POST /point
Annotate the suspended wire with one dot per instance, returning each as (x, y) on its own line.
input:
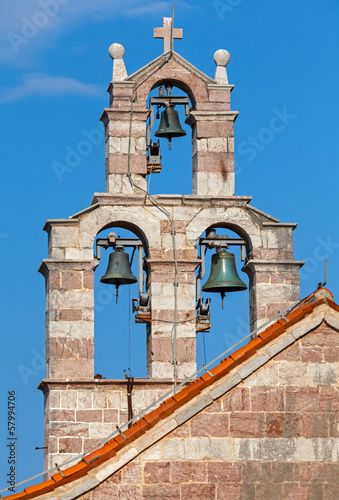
(203, 340)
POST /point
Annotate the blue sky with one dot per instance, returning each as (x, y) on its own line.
(55, 70)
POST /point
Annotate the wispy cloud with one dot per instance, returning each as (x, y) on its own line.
(39, 84)
(30, 26)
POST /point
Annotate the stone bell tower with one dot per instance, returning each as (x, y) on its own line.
(80, 410)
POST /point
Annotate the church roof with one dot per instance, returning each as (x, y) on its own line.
(307, 316)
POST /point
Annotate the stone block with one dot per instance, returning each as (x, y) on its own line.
(201, 491)
(69, 399)
(98, 430)
(217, 144)
(309, 450)
(278, 450)
(210, 425)
(209, 449)
(267, 398)
(185, 472)
(267, 375)
(152, 453)
(132, 473)
(315, 425)
(222, 472)
(73, 253)
(237, 400)
(84, 400)
(63, 236)
(292, 373)
(118, 164)
(114, 145)
(302, 399)
(157, 491)
(244, 424)
(71, 369)
(70, 445)
(173, 449)
(157, 472)
(283, 425)
(322, 374)
(247, 449)
(230, 144)
(207, 129)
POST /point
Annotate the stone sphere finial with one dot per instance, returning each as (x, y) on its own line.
(116, 51)
(222, 57)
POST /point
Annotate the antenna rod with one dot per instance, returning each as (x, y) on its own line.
(325, 277)
(172, 27)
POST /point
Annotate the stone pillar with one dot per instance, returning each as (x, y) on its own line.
(213, 150)
(274, 285)
(69, 319)
(117, 129)
(160, 335)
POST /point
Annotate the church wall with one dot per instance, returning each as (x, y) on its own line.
(273, 436)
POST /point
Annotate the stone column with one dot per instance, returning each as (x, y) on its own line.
(117, 129)
(274, 285)
(213, 151)
(69, 319)
(161, 334)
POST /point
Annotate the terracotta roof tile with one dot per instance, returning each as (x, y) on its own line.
(110, 448)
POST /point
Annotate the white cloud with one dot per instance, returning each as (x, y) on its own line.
(39, 84)
(30, 25)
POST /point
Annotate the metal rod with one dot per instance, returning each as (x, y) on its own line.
(140, 270)
(172, 27)
(325, 277)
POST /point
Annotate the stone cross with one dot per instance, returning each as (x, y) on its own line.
(165, 33)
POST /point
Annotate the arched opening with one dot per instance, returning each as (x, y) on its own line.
(120, 343)
(175, 176)
(230, 324)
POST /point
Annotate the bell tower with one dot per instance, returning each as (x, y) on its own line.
(170, 234)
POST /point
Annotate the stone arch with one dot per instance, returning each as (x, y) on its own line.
(234, 218)
(174, 71)
(180, 85)
(106, 216)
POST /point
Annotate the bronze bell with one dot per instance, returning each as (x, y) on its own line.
(118, 270)
(224, 276)
(170, 125)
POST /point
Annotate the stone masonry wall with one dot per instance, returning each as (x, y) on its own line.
(275, 436)
(80, 415)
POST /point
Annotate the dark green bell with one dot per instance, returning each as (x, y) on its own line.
(118, 270)
(170, 125)
(224, 277)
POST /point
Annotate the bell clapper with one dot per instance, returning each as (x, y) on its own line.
(222, 295)
(116, 293)
(170, 143)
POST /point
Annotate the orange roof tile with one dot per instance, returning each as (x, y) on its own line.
(110, 448)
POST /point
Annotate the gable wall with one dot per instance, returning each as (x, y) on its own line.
(273, 436)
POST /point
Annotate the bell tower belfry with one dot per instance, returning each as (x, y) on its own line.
(79, 409)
